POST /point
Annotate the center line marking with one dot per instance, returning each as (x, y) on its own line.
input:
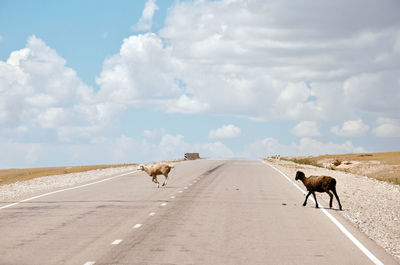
(180, 191)
(152, 214)
(89, 263)
(137, 225)
(163, 204)
(172, 197)
(116, 242)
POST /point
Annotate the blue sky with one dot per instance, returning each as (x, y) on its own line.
(97, 82)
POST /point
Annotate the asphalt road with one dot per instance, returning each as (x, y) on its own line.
(212, 212)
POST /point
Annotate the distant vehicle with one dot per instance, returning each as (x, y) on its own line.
(192, 156)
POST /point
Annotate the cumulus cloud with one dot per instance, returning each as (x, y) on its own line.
(40, 92)
(306, 128)
(351, 128)
(146, 21)
(274, 60)
(387, 128)
(306, 146)
(226, 131)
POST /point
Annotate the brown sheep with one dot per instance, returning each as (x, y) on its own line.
(319, 184)
(157, 169)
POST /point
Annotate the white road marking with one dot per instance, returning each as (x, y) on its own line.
(172, 197)
(58, 191)
(137, 225)
(116, 242)
(163, 204)
(190, 184)
(185, 188)
(89, 263)
(180, 191)
(368, 253)
(152, 214)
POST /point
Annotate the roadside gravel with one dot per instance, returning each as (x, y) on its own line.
(371, 205)
(24, 189)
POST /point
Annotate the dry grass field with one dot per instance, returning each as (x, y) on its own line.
(8, 176)
(381, 166)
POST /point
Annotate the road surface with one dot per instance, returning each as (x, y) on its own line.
(212, 212)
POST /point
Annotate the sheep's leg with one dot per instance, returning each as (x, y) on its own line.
(165, 181)
(331, 198)
(337, 198)
(305, 201)
(315, 198)
(155, 180)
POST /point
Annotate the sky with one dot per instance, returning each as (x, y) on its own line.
(104, 82)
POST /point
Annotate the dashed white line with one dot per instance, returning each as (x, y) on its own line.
(185, 188)
(180, 191)
(152, 214)
(137, 225)
(172, 197)
(89, 263)
(116, 242)
(163, 204)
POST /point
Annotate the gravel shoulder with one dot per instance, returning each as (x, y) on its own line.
(371, 205)
(24, 189)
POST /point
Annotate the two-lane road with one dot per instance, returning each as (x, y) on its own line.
(212, 212)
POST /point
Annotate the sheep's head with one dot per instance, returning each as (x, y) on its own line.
(299, 175)
(140, 167)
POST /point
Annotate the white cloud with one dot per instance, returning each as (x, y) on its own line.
(351, 128)
(387, 128)
(274, 61)
(146, 21)
(214, 150)
(306, 128)
(309, 146)
(306, 146)
(20, 153)
(40, 92)
(375, 92)
(226, 131)
(154, 133)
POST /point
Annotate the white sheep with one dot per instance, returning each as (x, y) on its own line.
(157, 169)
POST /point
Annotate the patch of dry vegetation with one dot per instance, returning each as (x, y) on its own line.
(8, 176)
(381, 166)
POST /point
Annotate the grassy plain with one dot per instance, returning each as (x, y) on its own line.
(382, 166)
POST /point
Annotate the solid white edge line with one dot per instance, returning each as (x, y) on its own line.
(368, 253)
(67, 189)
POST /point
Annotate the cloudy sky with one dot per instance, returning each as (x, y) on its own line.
(90, 82)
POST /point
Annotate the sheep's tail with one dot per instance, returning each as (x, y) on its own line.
(170, 166)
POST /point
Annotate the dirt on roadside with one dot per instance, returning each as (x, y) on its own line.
(380, 166)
